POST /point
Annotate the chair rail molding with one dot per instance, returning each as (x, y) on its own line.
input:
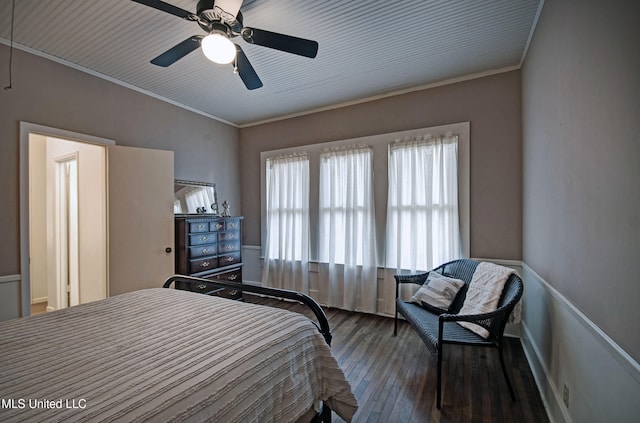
(9, 278)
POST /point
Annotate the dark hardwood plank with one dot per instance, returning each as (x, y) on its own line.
(394, 377)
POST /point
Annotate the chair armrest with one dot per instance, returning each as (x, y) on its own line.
(486, 320)
(470, 317)
(417, 278)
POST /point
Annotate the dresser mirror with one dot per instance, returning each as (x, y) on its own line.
(191, 197)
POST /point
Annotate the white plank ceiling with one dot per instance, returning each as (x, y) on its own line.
(367, 48)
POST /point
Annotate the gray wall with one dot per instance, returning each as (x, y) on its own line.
(47, 93)
(492, 106)
(581, 165)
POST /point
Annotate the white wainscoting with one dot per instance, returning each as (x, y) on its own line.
(9, 297)
(252, 267)
(252, 274)
(564, 347)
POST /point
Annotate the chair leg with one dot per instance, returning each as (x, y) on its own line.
(395, 325)
(439, 382)
(504, 372)
(326, 414)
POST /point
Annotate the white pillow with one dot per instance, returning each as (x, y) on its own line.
(484, 293)
(437, 293)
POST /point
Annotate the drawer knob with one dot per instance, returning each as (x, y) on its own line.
(233, 277)
(219, 226)
(204, 238)
(205, 250)
(200, 226)
(234, 225)
(229, 259)
(201, 286)
(205, 264)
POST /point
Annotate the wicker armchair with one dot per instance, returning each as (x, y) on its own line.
(437, 330)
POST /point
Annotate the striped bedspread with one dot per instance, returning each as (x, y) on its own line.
(167, 355)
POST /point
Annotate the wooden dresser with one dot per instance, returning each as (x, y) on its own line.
(209, 247)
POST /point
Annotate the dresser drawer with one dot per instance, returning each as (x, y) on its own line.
(228, 247)
(202, 265)
(229, 236)
(200, 287)
(201, 239)
(233, 294)
(232, 224)
(203, 250)
(233, 276)
(228, 259)
(196, 227)
(216, 225)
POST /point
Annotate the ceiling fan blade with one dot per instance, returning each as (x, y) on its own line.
(246, 71)
(177, 52)
(166, 7)
(288, 43)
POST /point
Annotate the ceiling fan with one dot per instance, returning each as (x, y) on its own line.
(222, 20)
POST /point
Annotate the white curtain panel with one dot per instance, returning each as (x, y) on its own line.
(347, 242)
(422, 209)
(286, 263)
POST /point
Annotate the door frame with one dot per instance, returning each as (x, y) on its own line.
(26, 129)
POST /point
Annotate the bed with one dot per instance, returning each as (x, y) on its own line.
(171, 355)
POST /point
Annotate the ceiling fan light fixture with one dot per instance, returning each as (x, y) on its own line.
(218, 48)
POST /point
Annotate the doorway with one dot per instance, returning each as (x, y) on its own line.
(64, 261)
(129, 204)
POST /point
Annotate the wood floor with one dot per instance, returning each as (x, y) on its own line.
(38, 308)
(394, 377)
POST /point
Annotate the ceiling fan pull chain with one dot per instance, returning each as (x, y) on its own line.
(13, 13)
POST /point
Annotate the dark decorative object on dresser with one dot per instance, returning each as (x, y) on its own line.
(209, 247)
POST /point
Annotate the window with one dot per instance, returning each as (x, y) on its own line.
(335, 219)
(287, 217)
(422, 203)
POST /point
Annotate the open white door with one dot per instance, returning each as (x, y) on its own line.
(141, 221)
